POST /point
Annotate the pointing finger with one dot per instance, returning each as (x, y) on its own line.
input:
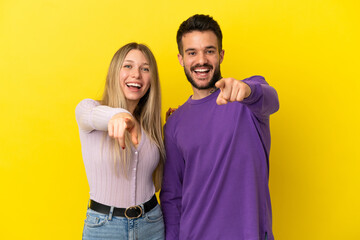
(220, 100)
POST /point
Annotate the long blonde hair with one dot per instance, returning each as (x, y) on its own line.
(147, 112)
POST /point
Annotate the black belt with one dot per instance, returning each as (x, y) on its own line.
(130, 212)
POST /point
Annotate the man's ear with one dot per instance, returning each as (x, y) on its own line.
(222, 55)
(180, 58)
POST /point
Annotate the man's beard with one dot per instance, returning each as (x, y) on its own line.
(216, 77)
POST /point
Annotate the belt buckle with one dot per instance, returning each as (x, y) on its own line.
(133, 207)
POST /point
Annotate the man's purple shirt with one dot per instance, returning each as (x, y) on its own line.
(217, 168)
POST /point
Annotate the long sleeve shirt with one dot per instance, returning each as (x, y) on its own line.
(217, 169)
(108, 183)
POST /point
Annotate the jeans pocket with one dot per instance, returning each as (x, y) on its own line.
(95, 220)
(154, 215)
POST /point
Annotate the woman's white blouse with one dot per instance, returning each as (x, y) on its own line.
(107, 183)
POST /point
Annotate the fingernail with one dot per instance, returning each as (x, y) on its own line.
(123, 148)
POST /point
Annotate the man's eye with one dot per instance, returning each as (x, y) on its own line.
(210, 51)
(192, 53)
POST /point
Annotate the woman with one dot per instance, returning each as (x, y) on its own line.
(123, 151)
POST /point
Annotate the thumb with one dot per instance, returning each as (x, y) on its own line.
(220, 84)
(134, 135)
(132, 128)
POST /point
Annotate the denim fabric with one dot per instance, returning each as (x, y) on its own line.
(101, 226)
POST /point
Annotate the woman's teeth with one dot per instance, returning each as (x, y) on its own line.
(133, 85)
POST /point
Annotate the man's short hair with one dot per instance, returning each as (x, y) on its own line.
(200, 23)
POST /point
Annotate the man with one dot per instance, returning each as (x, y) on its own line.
(217, 144)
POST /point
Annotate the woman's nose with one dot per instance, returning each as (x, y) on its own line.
(135, 73)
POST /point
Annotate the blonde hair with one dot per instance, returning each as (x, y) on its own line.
(147, 112)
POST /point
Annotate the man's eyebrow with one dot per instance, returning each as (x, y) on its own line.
(190, 49)
(207, 47)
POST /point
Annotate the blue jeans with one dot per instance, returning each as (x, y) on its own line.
(98, 226)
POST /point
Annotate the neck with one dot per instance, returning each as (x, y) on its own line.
(131, 105)
(202, 93)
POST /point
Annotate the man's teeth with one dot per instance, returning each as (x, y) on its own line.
(202, 70)
(133, 85)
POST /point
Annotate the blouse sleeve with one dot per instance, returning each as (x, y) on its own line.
(90, 115)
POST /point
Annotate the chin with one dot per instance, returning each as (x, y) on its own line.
(132, 97)
(203, 83)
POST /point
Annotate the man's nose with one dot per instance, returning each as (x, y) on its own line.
(202, 59)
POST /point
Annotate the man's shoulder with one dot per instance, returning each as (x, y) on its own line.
(176, 116)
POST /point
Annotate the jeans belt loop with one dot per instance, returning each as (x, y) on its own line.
(111, 213)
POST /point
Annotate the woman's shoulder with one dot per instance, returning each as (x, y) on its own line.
(89, 101)
(86, 104)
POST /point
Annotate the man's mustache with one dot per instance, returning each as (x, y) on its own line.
(204, 65)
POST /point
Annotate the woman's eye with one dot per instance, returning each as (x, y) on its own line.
(127, 66)
(146, 69)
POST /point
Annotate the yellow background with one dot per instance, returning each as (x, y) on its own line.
(55, 53)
